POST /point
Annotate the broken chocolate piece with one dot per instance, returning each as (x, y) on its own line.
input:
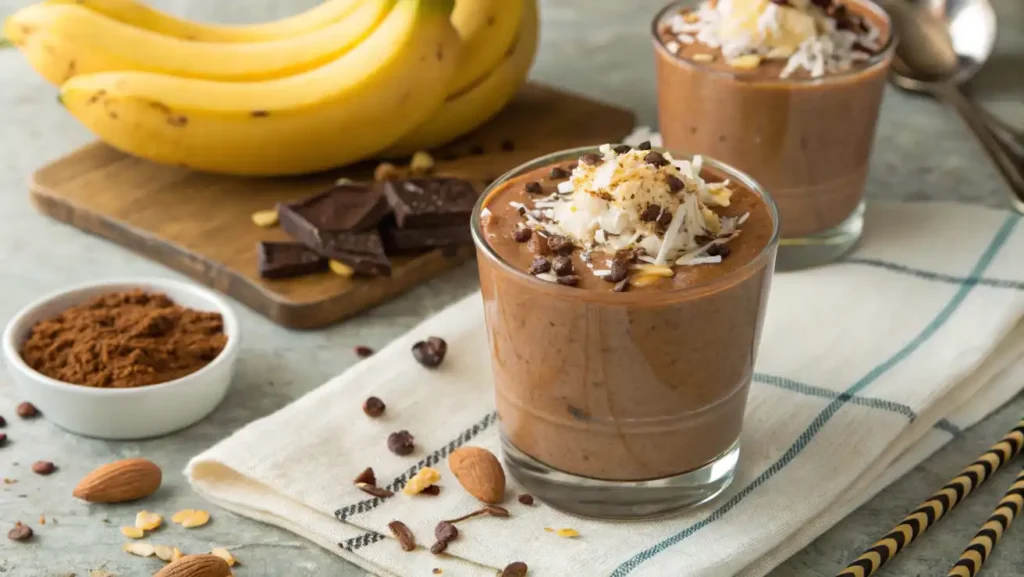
(522, 234)
(288, 259)
(430, 353)
(350, 206)
(366, 476)
(404, 535)
(401, 443)
(622, 149)
(363, 251)
(374, 490)
(540, 265)
(562, 265)
(401, 240)
(431, 202)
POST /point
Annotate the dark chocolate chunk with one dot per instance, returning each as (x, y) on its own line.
(366, 476)
(534, 187)
(665, 219)
(645, 145)
(526, 499)
(622, 149)
(540, 265)
(373, 407)
(621, 286)
(432, 490)
(401, 443)
(522, 234)
(431, 202)
(517, 569)
(430, 353)
(445, 531)
(402, 240)
(656, 159)
(403, 534)
(363, 251)
(675, 184)
(363, 351)
(569, 280)
(374, 490)
(288, 259)
(356, 206)
(620, 270)
(559, 172)
(538, 245)
(562, 265)
(719, 250)
(591, 159)
(560, 244)
(650, 213)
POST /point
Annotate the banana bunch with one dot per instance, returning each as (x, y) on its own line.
(342, 82)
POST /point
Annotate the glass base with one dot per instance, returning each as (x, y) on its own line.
(621, 499)
(823, 247)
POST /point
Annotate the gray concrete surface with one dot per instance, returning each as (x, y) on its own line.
(597, 47)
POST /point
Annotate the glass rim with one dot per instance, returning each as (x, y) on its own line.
(876, 60)
(732, 173)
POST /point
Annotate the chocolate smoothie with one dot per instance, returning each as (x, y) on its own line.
(624, 294)
(788, 91)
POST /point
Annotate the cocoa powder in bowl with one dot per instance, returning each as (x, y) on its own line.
(123, 340)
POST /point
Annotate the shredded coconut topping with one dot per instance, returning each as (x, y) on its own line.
(818, 37)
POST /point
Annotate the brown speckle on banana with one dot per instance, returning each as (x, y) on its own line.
(260, 113)
(177, 120)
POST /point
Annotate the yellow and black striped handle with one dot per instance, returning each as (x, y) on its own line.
(936, 507)
(985, 539)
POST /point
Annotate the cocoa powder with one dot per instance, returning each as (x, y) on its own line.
(122, 340)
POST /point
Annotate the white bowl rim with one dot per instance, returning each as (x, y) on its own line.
(231, 329)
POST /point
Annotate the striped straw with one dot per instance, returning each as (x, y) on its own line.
(936, 507)
(975, 555)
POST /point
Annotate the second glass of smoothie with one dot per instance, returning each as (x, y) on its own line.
(624, 292)
(788, 91)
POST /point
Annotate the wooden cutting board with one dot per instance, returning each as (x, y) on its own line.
(199, 224)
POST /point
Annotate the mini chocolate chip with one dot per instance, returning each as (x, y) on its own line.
(373, 407)
(430, 352)
(591, 159)
(719, 250)
(432, 490)
(446, 531)
(439, 547)
(374, 490)
(540, 265)
(656, 159)
(674, 183)
(27, 411)
(560, 244)
(645, 145)
(650, 213)
(538, 245)
(3, 439)
(517, 569)
(363, 351)
(665, 219)
(619, 270)
(621, 286)
(476, 149)
(366, 476)
(622, 149)
(401, 443)
(43, 467)
(561, 265)
(559, 172)
(508, 145)
(20, 532)
(526, 499)
(404, 535)
(496, 511)
(569, 280)
(522, 234)
(534, 187)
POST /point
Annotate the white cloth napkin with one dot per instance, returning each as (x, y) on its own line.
(866, 368)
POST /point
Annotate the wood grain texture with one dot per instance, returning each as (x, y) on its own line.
(199, 224)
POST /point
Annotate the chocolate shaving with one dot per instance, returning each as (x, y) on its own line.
(367, 477)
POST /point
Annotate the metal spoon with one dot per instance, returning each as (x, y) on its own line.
(943, 43)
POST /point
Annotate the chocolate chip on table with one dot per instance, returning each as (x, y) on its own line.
(560, 244)
(27, 411)
(446, 531)
(719, 250)
(591, 159)
(43, 467)
(431, 490)
(540, 265)
(562, 265)
(404, 535)
(526, 499)
(650, 213)
(439, 547)
(367, 476)
(534, 187)
(538, 245)
(374, 490)
(568, 280)
(621, 286)
(363, 352)
(20, 532)
(373, 407)
(559, 172)
(674, 183)
(645, 145)
(619, 270)
(430, 352)
(665, 219)
(522, 234)
(622, 149)
(516, 569)
(656, 159)
(401, 443)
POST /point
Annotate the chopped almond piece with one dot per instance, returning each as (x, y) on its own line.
(140, 549)
(163, 552)
(265, 218)
(196, 519)
(341, 269)
(148, 520)
(223, 554)
(133, 532)
(746, 62)
(424, 478)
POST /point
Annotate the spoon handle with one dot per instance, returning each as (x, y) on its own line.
(995, 149)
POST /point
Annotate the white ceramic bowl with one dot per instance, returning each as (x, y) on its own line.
(133, 413)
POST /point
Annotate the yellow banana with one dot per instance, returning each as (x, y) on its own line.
(136, 13)
(62, 40)
(487, 29)
(342, 112)
(463, 112)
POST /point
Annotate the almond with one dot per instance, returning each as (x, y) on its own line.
(196, 566)
(479, 473)
(120, 481)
